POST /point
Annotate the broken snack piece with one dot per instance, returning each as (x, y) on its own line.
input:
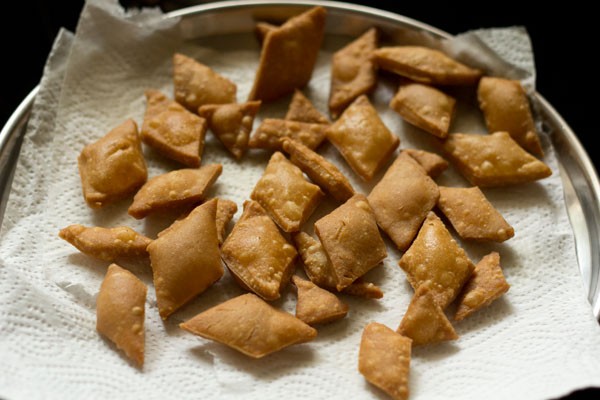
(226, 209)
(432, 163)
(108, 244)
(317, 306)
(120, 311)
(249, 325)
(257, 254)
(271, 132)
(113, 167)
(302, 110)
(384, 359)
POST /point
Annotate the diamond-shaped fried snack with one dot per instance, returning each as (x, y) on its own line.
(195, 84)
(288, 55)
(425, 65)
(286, 195)
(506, 108)
(174, 190)
(113, 167)
(261, 29)
(472, 215)
(353, 72)
(351, 239)
(319, 170)
(317, 306)
(120, 311)
(231, 124)
(257, 254)
(172, 130)
(302, 110)
(435, 257)
(362, 138)
(402, 199)
(384, 359)
(250, 325)
(319, 270)
(271, 132)
(432, 163)
(109, 244)
(486, 285)
(425, 107)
(226, 209)
(425, 321)
(185, 259)
(493, 160)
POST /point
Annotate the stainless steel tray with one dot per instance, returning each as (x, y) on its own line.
(580, 180)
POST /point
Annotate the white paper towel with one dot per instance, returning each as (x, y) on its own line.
(539, 341)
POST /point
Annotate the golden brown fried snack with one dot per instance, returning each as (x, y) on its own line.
(113, 167)
(351, 239)
(108, 244)
(493, 160)
(486, 285)
(432, 163)
(195, 84)
(425, 107)
(231, 124)
(302, 110)
(271, 132)
(384, 359)
(172, 130)
(185, 259)
(250, 325)
(435, 257)
(120, 311)
(286, 195)
(353, 72)
(262, 29)
(317, 306)
(257, 254)
(472, 215)
(288, 55)
(319, 170)
(402, 199)
(362, 138)
(425, 321)
(506, 108)
(226, 209)
(425, 65)
(174, 190)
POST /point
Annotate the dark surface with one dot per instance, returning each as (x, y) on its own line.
(563, 40)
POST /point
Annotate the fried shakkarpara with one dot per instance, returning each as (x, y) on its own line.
(286, 195)
(317, 306)
(108, 244)
(195, 84)
(493, 160)
(302, 110)
(402, 199)
(425, 321)
(256, 253)
(432, 163)
(384, 359)
(506, 108)
(435, 257)
(425, 107)
(425, 65)
(226, 209)
(486, 285)
(319, 170)
(185, 259)
(288, 55)
(353, 72)
(271, 133)
(120, 310)
(362, 138)
(472, 215)
(174, 190)
(351, 239)
(231, 124)
(113, 167)
(250, 325)
(172, 130)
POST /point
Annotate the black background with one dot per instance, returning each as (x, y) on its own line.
(564, 42)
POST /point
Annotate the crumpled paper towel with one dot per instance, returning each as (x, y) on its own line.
(539, 341)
